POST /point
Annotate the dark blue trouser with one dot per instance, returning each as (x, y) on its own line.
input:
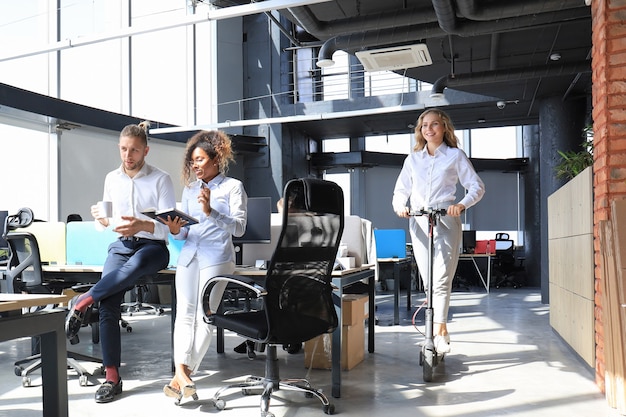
(127, 261)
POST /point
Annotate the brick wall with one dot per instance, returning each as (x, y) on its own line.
(609, 122)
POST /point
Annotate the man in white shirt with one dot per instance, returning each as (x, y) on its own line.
(140, 250)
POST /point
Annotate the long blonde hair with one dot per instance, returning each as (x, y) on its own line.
(449, 137)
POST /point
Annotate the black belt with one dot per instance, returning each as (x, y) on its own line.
(132, 238)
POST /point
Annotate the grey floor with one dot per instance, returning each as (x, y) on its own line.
(505, 361)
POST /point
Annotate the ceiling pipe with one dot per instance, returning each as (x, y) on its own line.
(327, 29)
(510, 74)
(471, 9)
(517, 18)
(398, 35)
(445, 15)
(363, 40)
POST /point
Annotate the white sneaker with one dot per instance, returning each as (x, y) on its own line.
(442, 344)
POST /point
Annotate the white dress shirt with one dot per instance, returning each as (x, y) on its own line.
(430, 181)
(210, 239)
(151, 187)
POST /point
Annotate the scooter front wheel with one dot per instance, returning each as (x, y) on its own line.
(428, 364)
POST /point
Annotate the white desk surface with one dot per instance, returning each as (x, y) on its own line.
(238, 270)
(11, 302)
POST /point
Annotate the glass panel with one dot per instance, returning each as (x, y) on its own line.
(33, 166)
(21, 28)
(159, 63)
(400, 144)
(496, 143)
(93, 75)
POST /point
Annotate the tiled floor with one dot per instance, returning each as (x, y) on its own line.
(505, 361)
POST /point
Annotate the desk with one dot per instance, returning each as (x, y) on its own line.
(399, 264)
(50, 326)
(340, 280)
(472, 257)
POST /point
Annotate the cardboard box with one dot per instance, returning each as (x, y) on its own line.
(318, 351)
(354, 309)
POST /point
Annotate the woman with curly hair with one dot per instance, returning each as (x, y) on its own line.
(220, 204)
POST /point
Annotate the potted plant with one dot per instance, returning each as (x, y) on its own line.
(574, 162)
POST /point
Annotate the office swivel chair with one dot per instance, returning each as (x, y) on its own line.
(293, 302)
(24, 274)
(138, 305)
(506, 266)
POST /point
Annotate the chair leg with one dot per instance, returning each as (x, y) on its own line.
(139, 306)
(270, 383)
(72, 363)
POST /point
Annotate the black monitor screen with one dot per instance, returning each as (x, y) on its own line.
(258, 229)
(469, 241)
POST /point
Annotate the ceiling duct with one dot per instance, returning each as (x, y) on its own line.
(395, 58)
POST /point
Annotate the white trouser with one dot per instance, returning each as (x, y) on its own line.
(447, 241)
(192, 336)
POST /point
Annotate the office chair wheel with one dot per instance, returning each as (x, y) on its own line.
(82, 380)
(292, 348)
(329, 409)
(220, 404)
(427, 360)
(129, 329)
(18, 370)
(26, 382)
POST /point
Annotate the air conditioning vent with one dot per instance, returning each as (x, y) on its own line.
(394, 58)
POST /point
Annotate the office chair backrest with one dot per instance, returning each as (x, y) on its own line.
(299, 303)
(24, 271)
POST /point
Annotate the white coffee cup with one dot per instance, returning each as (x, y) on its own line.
(105, 209)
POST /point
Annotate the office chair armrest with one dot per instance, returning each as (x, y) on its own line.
(248, 283)
(81, 287)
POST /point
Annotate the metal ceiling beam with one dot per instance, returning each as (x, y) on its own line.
(217, 14)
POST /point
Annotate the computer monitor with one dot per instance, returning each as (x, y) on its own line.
(258, 228)
(469, 241)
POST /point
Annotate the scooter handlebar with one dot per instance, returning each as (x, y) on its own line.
(428, 211)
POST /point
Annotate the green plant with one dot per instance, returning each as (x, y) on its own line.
(574, 162)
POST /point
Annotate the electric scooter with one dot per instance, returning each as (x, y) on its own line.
(429, 358)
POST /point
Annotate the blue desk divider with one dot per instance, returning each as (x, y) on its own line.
(85, 245)
(390, 243)
(174, 247)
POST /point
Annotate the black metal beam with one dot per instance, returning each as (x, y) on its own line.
(66, 111)
(365, 159)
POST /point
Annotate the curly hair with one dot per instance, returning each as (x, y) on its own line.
(216, 144)
(137, 131)
(448, 135)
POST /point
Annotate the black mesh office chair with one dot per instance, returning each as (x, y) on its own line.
(24, 274)
(293, 302)
(506, 266)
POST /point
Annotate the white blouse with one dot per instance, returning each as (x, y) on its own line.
(430, 181)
